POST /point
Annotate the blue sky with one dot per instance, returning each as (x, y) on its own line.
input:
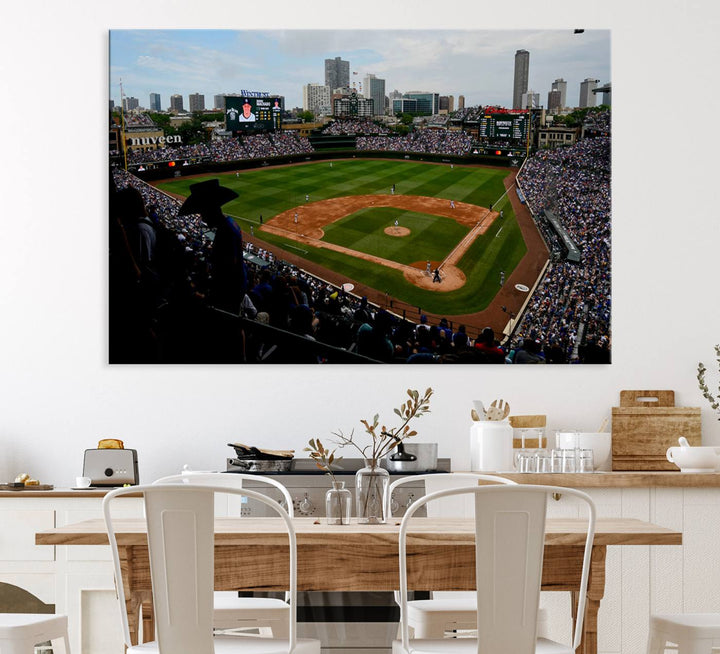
(474, 63)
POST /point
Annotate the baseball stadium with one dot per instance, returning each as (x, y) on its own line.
(458, 243)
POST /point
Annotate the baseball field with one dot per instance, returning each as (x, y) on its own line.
(383, 224)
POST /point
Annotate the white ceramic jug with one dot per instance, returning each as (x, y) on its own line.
(491, 446)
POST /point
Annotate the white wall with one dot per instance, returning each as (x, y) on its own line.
(58, 395)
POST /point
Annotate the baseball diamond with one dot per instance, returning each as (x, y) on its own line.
(345, 224)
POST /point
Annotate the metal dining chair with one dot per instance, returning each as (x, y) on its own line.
(180, 521)
(448, 611)
(693, 633)
(509, 545)
(267, 614)
(21, 632)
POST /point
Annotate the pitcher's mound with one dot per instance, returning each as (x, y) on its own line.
(397, 231)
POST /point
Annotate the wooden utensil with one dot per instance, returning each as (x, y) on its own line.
(498, 410)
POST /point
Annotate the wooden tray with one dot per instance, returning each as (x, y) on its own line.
(643, 430)
(45, 487)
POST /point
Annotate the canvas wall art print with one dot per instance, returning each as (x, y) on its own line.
(365, 196)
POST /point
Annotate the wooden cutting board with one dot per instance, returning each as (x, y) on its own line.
(645, 425)
(6, 487)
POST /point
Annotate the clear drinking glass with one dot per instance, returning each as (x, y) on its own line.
(526, 461)
(568, 461)
(519, 455)
(585, 461)
(543, 461)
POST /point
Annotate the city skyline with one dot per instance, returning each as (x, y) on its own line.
(478, 64)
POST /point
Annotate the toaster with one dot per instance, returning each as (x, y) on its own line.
(111, 467)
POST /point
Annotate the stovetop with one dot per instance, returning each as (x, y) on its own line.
(345, 467)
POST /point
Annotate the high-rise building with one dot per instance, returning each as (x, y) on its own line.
(522, 75)
(130, 103)
(374, 88)
(176, 103)
(219, 101)
(554, 102)
(155, 102)
(461, 102)
(316, 98)
(560, 85)
(530, 100)
(427, 103)
(337, 73)
(197, 102)
(587, 97)
(446, 104)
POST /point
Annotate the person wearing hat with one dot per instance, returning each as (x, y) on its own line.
(227, 268)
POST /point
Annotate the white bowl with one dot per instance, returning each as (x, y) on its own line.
(695, 459)
(599, 442)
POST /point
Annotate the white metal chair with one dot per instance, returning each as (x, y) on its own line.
(233, 612)
(693, 633)
(446, 611)
(180, 529)
(20, 632)
(509, 545)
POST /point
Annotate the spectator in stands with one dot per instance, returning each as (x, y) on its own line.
(487, 344)
(228, 281)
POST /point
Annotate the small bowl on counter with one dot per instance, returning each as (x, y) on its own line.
(695, 458)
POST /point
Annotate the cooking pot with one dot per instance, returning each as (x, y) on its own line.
(413, 457)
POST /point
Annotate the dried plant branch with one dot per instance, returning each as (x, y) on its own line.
(704, 389)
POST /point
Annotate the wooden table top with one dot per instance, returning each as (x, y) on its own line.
(313, 531)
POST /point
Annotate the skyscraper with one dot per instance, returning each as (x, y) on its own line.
(522, 75)
(130, 103)
(316, 98)
(197, 102)
(587, 97)
(560, 85)
(155, 102)
(374, 87)
(461, 102)
(176, 103)
(554, 103)
(530, 100)
(337, 73)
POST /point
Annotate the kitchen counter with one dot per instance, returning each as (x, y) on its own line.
(56, 493)
(641, 479)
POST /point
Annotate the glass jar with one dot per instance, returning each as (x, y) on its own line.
(338, 502)
(371, 487)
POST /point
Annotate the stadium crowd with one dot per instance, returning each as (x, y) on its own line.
(161, 306)
(569, 313)
(160, 289)
(351, 127)
(228, 149)
(434, 141)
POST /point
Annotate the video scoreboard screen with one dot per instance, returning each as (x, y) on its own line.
(253, 114)
(508, 127)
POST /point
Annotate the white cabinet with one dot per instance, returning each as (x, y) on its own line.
(78, 580)
(644, 579)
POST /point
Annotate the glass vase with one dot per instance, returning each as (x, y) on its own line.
(371, 486)
(338, 502)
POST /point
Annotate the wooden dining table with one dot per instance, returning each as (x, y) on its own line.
(251, 554)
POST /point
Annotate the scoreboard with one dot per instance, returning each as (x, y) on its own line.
(508, 127)
(253, 114)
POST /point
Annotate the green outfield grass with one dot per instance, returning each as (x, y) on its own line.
(431, 237)
(268, 191)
